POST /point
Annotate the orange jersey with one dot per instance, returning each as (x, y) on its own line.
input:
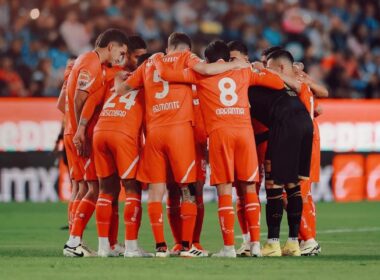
(86, 75)
(121, 113)
(199, 126)
(165, 103)
(224, 97)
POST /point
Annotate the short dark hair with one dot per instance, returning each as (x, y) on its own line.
(217, 50)
(141, 59)
(111, 35)
(135, 42)
(269, 50)
(178, 38)
(281, 54)
(238, 46)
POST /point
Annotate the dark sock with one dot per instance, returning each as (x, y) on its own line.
(294, 210)
(159, 245)
(274, 209)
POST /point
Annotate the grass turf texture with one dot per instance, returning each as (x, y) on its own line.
(31, 245)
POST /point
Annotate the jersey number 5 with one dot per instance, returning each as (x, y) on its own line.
(228, 96)
(165, 85)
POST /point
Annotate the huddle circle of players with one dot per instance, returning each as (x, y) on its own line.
(142, 121)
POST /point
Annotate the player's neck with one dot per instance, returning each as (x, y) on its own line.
(102, 54)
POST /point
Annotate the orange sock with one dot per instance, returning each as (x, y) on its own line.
(131, 215)
(104, 214)
(240, 211)
(226, 219)
(114, 226)
(82, 216)
(69, 209)
(313, 216)
(199, 219)
(305, 232)
(188, 217)
(74, 207)
(252, 214)
(156, 221)
(173, 211)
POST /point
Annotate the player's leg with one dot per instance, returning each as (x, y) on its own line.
(173, 210)
(132, 218)
(152, 169)
(244, 249)
(181, 156)
(201, 163)
(221, 151)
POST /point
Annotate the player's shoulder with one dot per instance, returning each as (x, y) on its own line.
(88, 60)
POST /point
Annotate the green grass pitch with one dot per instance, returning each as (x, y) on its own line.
(31, 248)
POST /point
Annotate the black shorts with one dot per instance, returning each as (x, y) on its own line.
(289, 148)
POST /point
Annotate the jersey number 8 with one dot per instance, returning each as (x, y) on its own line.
(228, 96)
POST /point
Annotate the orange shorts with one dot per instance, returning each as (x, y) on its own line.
(233, 151)
(76, 170)
(168, 147)
(315, 164)
(115, 152)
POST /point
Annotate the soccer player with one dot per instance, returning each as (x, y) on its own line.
(239, 51)
(61, 104)
(85, 79)
(225, 108)
(170, 140)
(288, 155)
(116, 149)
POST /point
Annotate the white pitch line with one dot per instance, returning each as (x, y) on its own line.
(333, 231)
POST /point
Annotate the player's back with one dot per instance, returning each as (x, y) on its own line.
(121, 113)
(224, 99)
(86, 75)
(166, 103)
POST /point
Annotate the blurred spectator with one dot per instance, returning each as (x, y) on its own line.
(337, 40)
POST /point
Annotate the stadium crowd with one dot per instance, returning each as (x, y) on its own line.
(338, 41)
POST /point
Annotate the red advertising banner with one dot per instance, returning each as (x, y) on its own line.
(28, 124)
(350, 125)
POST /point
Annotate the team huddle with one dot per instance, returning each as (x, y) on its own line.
(153, 122)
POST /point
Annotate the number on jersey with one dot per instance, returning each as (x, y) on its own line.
(128, 99)
(165, 85)
(228, 96)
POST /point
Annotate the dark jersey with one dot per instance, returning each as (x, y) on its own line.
(268, 105)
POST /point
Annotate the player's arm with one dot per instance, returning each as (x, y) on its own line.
(266, 79)
(93, 101)
(167, 72)
(61, 103)
(124, 83)
(318, 89)
(293, 83)
(218, 68)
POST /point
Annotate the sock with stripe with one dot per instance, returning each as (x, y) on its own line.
(313, 216)
(199, 219)
(114, 226)
(294, 210)
(305, 232)
(226, 219)
(188, 217)
(132, 216)
(274, 209)
(69, 209)
(103, 215)
(74, 207)
(156, 222)
(82, 216)
(252, 214)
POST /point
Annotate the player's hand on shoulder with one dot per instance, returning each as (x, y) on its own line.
(258, 66)
(156, 56)
(240, 64)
